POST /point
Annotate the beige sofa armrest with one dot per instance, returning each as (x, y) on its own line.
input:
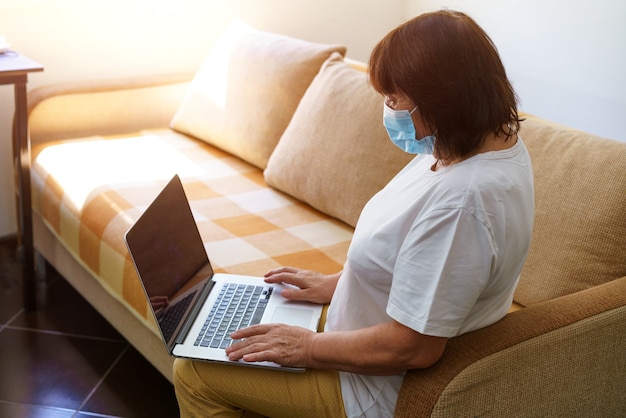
(563, 357)
(74, 110)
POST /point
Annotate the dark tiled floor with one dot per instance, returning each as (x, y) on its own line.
(65, 360)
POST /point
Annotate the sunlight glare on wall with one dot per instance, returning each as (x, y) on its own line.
(212, 78)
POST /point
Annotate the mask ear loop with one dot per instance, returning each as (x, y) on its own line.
(436, 130)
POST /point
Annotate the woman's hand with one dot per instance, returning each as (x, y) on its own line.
(311, 286)
(278, 343)
(384, 349)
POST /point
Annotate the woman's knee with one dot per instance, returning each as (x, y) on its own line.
(185, 377)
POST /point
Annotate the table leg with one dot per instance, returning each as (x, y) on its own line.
(25, 218)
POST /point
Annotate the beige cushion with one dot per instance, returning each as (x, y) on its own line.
(247, 89)
(335, 153)
(579, 238)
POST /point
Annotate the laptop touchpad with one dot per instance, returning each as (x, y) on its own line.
(292, 316)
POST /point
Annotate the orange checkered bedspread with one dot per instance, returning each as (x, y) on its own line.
(90, 191)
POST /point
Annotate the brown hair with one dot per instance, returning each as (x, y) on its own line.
(450, 68)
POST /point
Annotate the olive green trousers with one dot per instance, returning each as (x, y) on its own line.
(206, 389)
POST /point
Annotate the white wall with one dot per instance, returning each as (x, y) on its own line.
(103, 39)
(567, 59)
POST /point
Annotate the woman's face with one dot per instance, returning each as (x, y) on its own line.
(401, 102)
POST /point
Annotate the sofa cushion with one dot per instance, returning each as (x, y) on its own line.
(247, 89)
(579, 235)
(335, 154)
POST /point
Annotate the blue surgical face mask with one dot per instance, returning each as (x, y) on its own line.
(401, 130)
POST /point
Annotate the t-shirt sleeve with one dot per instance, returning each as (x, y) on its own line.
(443, 266)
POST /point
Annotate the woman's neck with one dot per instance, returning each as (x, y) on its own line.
(491, 143)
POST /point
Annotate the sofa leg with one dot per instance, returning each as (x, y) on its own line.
(41, 267)
(42, 276)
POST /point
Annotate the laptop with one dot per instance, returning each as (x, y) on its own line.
(196, 309)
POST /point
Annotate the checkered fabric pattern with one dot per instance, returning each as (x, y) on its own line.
(90, 191)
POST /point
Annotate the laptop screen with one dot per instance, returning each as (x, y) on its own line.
(167, 249)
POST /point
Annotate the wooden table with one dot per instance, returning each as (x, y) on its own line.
(14, 69)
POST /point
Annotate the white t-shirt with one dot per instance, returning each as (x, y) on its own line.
(438, 251)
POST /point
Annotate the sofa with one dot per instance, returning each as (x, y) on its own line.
(279, 143)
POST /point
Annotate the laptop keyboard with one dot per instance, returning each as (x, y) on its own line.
(237, 306)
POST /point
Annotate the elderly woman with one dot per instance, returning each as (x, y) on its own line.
(435, 254)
